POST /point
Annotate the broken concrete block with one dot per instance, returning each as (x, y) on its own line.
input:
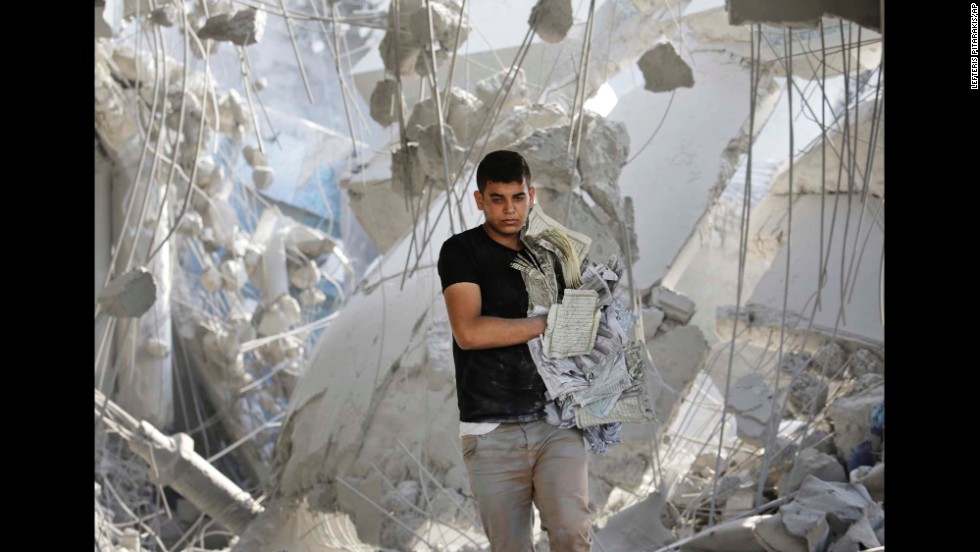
(126, 61)
(865, 382)
(431, 152)
(605, 149)
(829, 360)
(807, 393)
(310, 242)
(652, 317)
(254, 156)
(233, 274)
(384, 106)
(734, 535)
(677, 355)
(243, 28)
(279, 316)
(811, 462)
(407, 175)
(211, 278)
(819, 502)
(551, 19)
(636, 528)
(217, 185)
(405, 57)
(739, 503)
(129, 295)
(234, 115)
(424, 60)
(751, 400)
(851, 417)
(305, 275)
(864, 362)
(403, 497)
(675, 305)
(220, 346)
(311, 297)
(522, 121)
(156, 347)
(550, 166)
(794, 362)
(487, 90)
(464, 111)
(774, 536)
(289, 347)
(445, 20)
(873, 479)
(191, 224)
(164, 16)
(130, 539)
(663, 70)
(262, 176)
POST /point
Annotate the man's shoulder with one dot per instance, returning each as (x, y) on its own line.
(464, 240)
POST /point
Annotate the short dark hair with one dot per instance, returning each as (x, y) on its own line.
(502, 166)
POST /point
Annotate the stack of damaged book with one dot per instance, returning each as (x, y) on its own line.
(590, 365)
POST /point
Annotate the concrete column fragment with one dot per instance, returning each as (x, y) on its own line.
(675, 305)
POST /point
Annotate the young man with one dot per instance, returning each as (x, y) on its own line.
(512, 455)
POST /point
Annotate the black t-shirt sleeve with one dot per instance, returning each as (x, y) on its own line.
(456, 264)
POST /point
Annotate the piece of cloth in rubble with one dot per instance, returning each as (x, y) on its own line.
(601, 436)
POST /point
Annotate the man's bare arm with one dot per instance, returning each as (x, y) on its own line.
(473, 331)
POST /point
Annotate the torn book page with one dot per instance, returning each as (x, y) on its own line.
(572, 324)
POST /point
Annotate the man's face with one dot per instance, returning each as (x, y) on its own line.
(505, 205)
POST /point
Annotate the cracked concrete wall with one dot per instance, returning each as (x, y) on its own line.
(812, 176)
(672, 191)
(713, 26)
(861, 265)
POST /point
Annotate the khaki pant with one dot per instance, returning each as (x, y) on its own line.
(516, 464)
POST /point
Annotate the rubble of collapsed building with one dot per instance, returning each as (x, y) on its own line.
(273, 360)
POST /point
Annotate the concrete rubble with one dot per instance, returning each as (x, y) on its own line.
(663, 70)
(551, 19)
(129, 295)
(275, 261)
(241, 28)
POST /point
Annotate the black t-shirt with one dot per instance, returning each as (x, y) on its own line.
(500, 384)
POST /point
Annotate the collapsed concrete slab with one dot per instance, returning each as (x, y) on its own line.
(759, 325)
(673, 193)
(713, 26)
(866, 13)
(848, 508)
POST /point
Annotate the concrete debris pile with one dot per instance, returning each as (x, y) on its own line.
(823, 487)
